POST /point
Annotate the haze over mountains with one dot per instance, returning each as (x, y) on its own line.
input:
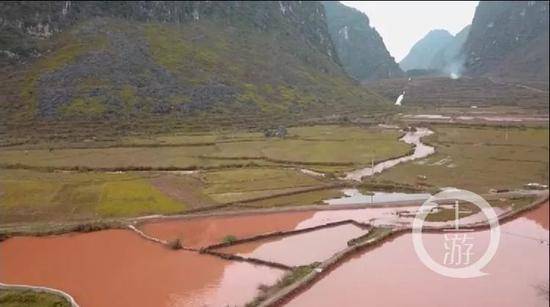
(507, 39)
(438, 51)
(422, 53)
(449, 59)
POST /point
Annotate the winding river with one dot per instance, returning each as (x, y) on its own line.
(421, 150)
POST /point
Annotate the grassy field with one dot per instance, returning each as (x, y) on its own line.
(474, 158)
(18, 298)
(238, 184)
(193, 138)
(467, 209)
(325, 145)
(448, 214)
(435, 92)
(36, 184)
(32, 196)
(306, 198)
(331, 148)
(479, 158)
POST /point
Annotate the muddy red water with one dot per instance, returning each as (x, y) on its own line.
(204, 231)
(200, 232)
(299, 249)
(392, 275)
(539, 216)
(118, 268)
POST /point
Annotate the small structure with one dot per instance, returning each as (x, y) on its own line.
(279, 132)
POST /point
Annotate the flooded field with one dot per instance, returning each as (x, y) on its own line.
(392, 275)
(479, 117)
(375, 216)
(204, 231)
(118, 268)
(354, 196)
(299, 249)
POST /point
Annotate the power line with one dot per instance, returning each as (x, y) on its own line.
(527, 237)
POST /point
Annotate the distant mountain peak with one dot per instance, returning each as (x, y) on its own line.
(421, 54)
(360, 48)
(438, 32)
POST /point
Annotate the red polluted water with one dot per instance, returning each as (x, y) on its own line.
(393, 275)
(299, 249)
(204, 231)
(119, 268)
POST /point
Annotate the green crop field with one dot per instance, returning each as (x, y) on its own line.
(331, 148)
(246, 167)
(46, 181)
(479, 158)
(39, 196)
(240, 184)
(17, 298)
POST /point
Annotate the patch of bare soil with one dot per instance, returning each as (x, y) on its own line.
(183, 188)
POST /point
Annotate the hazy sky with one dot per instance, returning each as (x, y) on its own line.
(402, 23)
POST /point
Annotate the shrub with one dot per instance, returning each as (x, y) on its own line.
(175, 244)
(229, 239)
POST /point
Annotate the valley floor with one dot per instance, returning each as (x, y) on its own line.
(236, 201)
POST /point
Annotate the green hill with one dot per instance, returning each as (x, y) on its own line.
(79, 66)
